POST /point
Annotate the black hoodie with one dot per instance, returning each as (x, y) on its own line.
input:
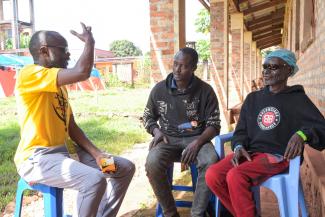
(267, 121)
(197, 106)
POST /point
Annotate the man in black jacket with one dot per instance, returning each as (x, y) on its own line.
(274, 125)
(188, 115)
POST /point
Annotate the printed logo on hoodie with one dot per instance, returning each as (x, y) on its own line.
(268, 118)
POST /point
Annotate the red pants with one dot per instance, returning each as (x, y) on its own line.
(232, 185)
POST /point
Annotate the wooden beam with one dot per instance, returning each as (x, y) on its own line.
(266, 35)
(234, 3)
(277, 14)
(205, 4)
(261, 35)
(263, 6)
(268, 29)
(269, 39)
(242, 1)
(271, 44)
(268, 42)
(264, 24)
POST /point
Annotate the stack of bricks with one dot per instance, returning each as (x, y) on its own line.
(162, 38)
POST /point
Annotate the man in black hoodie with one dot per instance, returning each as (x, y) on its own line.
(274, 125)
(188, 115)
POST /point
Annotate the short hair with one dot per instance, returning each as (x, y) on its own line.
(36, 39)
(192, 53)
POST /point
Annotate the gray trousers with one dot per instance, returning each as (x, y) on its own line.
(98, 194)
(161, 157)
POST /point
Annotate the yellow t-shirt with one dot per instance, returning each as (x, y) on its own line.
(43, 110)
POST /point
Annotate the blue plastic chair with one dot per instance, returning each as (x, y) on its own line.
(194, 174)
(219, 147)
(288, 190)
(286, 186)
(179, 203)
(52, 198)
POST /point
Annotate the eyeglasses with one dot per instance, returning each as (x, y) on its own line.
(65, 49)
(273, 67)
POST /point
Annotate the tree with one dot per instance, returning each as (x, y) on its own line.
(124, 48)
(202, 22)
(203, 48)
(8, 44)
(24, 40)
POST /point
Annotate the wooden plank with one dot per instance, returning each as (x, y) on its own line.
(242, 1)
(261, 43)
(263, 46)
(260, 37)
(263, 6)
(268, 29)
(278, 13)
(264, 24)
(205, 4)
(269, 39)
(235, 4)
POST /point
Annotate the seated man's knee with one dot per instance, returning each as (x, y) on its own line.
(96, 182)
(125, 168)
(153, 164)
(213, 177)
(129, 167)
(233, 176)
(132, 168)
(207, 160)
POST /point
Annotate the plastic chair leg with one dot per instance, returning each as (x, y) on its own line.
(19, 201)
(280, 193)
(301, 199)
(217, 206)
(159, 212)
(256, 195)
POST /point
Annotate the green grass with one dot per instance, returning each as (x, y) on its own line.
(109, 118)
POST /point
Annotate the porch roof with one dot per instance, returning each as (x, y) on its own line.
(264, 18)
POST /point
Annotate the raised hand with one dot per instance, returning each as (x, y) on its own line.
(239, 153)
(86, 35)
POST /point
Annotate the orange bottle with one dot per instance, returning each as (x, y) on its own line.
(108, 165)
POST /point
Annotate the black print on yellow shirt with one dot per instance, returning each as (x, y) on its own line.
(60, 110)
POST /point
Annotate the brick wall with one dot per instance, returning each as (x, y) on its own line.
(312, 62)
(161, 37)
(311, 75)
(247, 68)
(217, 39)
(235, 58)
(217, 71)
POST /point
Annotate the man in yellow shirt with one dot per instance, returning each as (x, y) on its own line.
(46, 153)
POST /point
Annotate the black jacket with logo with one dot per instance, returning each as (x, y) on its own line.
(173, 109)
(267, 121)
